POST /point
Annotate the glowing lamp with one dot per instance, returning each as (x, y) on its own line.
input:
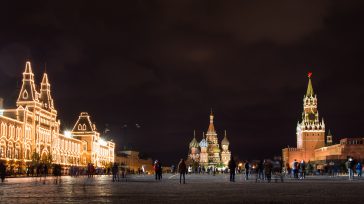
(67, 134)
(102, 142)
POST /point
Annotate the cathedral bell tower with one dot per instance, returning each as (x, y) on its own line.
(311, 130)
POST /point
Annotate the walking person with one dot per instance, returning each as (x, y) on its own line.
(156, 169)
(359, 168)
(350, 165)
(302, 169)
(232, 167)
(115, 170)
(260, 169)
(57, 173)
(182, 168)
(268, 170)
(247, 169)
(2, 171)
(295, 169)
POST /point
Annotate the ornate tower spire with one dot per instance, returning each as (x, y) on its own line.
(211, 126)
(45, 93)
(27, 92)
(309, 91)
(310, 131)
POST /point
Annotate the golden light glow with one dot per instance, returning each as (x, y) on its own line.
(33, 127)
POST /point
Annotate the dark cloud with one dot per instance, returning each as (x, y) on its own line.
(164, 64)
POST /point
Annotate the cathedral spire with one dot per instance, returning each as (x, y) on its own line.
(309, 86)
(211, 126)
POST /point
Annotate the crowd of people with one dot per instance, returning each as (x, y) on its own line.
(261, 171)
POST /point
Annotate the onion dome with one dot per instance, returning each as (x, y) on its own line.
(203, 142)
(194, 143)
(225, 141)
(216, 149)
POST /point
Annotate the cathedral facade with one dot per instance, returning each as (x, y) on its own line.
(207, 152)
(33, 127)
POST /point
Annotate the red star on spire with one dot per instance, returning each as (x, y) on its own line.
(309, 74)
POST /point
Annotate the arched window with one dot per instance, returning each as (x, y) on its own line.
(79, 127)
(2, 149)
(84, 126)
(25, 94)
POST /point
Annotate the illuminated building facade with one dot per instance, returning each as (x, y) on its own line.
(33, 127)
(312, 146)
(207, 152)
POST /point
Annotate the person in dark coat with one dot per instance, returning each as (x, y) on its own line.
(115, 172)
(268, 166)
(232, 167)
(247, 169)
(2, 171)
(182, 168)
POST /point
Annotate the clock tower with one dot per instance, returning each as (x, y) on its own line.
(311, 130)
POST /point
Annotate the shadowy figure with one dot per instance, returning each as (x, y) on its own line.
(115, 172)
(2, 171)
(268, 170)
(57, 171)
(158, 170)
(182, 168)
(232, 167)
(247, 169)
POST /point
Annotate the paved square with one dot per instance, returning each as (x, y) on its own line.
(199, 189)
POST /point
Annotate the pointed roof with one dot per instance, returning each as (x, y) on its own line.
(309, 91)
(329, 133)
(203, 142)
(194, 142)
(84, 124)
(45, 79)
(28, 68)
(211, 126)
(225, 141)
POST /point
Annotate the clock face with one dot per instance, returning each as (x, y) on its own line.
(311, 116)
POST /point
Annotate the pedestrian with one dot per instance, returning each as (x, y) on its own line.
(247, 169)
(115, 170)
(156, 169)
(302, 169)
(350, 165)
(57, 171)
(260, 169)
(182, 168)
(268, 170)
(295, 169)
(232, 167)
(359, 169)
(2, 171)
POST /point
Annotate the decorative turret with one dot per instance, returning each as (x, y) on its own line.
(194, 155)
(27, 92)
(194, 143)
(225, 141)
(45, 93)
(203, 143)
(211, 126)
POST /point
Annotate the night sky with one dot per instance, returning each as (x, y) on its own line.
(164, 64)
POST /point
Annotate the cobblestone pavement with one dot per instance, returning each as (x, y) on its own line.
(199, 189)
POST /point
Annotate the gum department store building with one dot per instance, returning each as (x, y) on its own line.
(312, 146)
(33, 127)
